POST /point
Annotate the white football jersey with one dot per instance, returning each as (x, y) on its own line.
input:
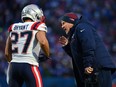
(25, 47)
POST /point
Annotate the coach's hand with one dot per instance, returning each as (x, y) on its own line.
(63, 41)
(88, 70)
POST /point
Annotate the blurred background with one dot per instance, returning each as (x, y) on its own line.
(58, 73)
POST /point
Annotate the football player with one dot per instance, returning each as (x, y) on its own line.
(23, 45)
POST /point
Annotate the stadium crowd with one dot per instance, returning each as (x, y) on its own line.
(100, 12)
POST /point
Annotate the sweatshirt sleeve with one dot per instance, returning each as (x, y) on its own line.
(87, 40)
(67, 49)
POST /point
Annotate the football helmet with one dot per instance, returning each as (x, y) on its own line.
(33, 12)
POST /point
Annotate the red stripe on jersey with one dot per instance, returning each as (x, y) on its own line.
(32, 27)
(35, 25)
(38, 25)
(10, 28)
(37, 76)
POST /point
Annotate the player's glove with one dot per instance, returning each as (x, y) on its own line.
(42, 57)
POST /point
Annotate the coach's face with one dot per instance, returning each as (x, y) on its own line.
(66, 26)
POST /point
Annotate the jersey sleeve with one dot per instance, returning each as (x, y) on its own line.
(42, 27)
(10, 28)
(39, 26)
